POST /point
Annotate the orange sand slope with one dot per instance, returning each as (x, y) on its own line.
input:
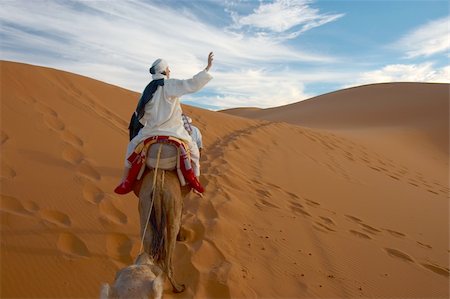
(289, 211)
(414, 116)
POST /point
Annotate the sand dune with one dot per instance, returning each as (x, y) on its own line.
(405, 105)
(404, 120)
(291, 211)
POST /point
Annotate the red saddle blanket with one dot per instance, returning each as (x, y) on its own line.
(139, 156)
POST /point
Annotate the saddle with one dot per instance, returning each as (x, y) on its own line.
(173, 156)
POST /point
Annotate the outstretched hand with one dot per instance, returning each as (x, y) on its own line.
(210, 61)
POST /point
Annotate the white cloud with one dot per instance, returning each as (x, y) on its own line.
(282, 15)
(256, 88)
(425, 72)
(429, 39)
(116, 41)
(266, 88)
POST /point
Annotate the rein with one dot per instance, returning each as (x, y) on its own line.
(153, 197)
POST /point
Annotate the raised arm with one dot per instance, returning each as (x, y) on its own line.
(177, 88)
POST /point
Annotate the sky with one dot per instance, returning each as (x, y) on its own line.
(267, 53)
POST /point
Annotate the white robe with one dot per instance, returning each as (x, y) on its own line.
(197, 136)
(163, 115)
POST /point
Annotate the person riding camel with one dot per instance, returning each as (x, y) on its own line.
(195, 133)
(159, 114)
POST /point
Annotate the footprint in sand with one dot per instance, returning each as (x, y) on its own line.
(365, 159)
(216, 284)
(311, 138)
(30, 206)
(72, 245)
(192, 230)
(7, 172)
(12, 205)
(210, 259)
(5, 137)
(106, 111)
(382, 162)
(413, 183)
(184, 234)
(55, 218)
(118, 247)
(72, 138)
(445, 189)
(433, 192)
(90, 102)
(206, 210)
(115, 118)
(384, 170)
(394, 176)
(111, 214)
(359, 234)
(424, 245)
(293, 196)
(328, 220)
(45, 110)
(72, 155)
(322, 227)
(349, 156)
(399, 255)
(92, 193)
(395, 233)
(263, 193)
(205, 181)
(428, 185)
(87, 170)
(369, 229)
(261, 203)
(54, 122)
(353, 218)
(299, 209)
(312, 203)
(275, 186)
(444, 271)
(296, 204)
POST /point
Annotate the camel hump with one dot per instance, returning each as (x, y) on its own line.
(168, 158)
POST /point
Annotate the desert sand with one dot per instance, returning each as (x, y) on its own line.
(340, 196)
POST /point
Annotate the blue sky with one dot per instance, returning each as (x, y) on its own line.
(267, 53)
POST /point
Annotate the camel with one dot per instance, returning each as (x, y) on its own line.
(160, 206)
(142, 280)
(163, 195)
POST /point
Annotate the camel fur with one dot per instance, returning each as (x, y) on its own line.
(142, 280)
(165, 219)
